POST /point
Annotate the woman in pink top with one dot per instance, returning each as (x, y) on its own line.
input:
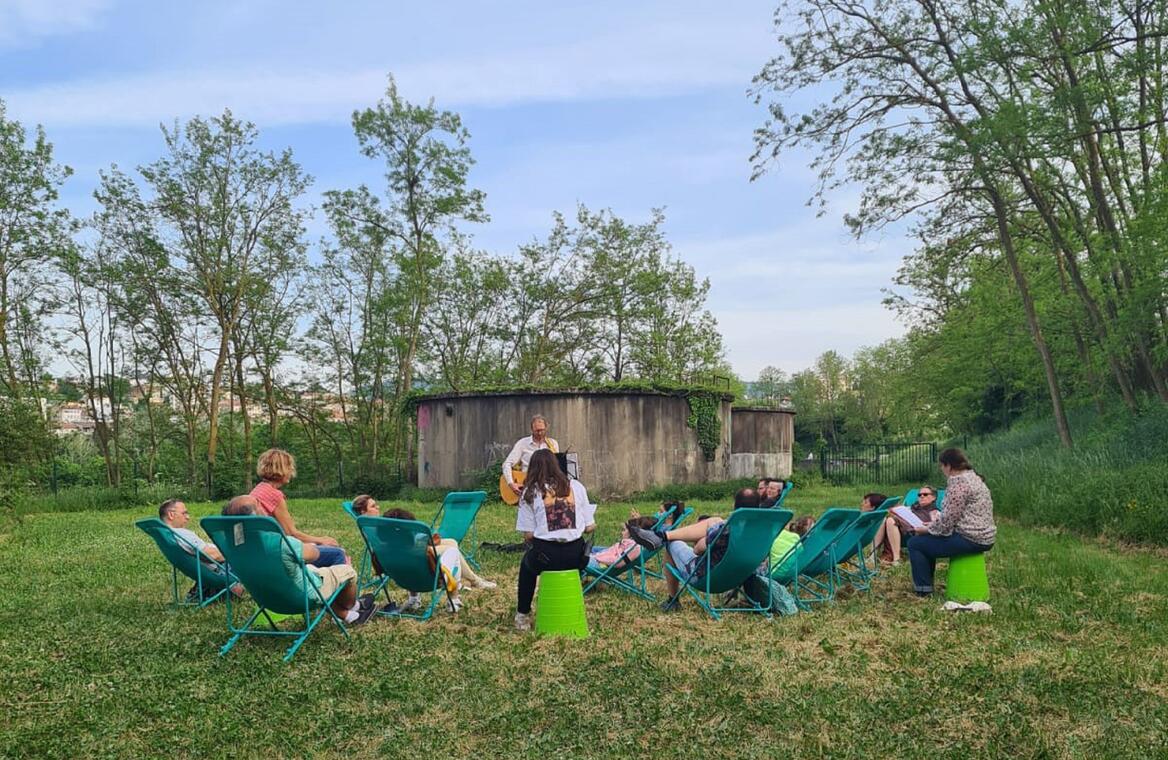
(276, 469)
(604, 557)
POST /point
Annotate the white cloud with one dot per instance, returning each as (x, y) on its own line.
(791, 339)
(22, 22)
(670, 58)
(785, 296)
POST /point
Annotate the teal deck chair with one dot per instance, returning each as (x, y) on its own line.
(365, 572)
(400, 548)
(751, 531)
(889, 503)
(631, 575)
(659, 572)
(811, 571)
(783, 494)
(850, 550)
(940, 500)
(458, 512)
(912, 497)
(254, 547)
(185, 559)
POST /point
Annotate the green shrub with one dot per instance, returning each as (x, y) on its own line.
(100, 498)
(1113, 482)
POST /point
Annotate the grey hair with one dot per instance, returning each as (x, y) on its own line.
(538, 418)
(166, 508)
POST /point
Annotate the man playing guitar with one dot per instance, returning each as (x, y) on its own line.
(515, 465)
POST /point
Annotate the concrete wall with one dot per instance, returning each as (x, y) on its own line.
(762, 440)
(626, 442)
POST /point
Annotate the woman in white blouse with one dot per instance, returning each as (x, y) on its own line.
(554, 514)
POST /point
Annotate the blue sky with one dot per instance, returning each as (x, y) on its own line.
(628, 106)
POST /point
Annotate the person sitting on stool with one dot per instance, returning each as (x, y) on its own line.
(554, 514)
(966, 526)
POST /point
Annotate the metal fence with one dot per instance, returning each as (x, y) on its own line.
(879, 463)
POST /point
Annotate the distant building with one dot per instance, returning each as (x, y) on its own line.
(73, 417)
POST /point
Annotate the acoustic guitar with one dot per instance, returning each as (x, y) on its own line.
(509, 496)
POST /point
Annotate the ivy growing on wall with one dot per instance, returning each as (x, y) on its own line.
(705, 418)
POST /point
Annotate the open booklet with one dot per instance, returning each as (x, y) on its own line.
(906, 514)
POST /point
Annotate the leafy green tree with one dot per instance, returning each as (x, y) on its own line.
(32, 229)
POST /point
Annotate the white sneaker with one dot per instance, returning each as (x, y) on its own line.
(522, 622)
(484, 583)
(412, 604)
(454, 604)
(952, 606)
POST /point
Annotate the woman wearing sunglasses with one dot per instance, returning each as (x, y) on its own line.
(889, 538)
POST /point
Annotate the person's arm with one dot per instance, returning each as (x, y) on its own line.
(956, 497)
(509, 464)
(284, 517)
(310, 552)
(212, 551)
(580, 494)
(525, 520)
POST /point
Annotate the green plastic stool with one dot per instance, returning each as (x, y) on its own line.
(277, 618)
(968, 581)
(560, 605)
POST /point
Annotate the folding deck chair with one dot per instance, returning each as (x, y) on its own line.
(365, 571)
(458, 512)
(751, 531)
(912, 497)
(783, 494)
(631, 575)
(804, 569)
(400, 547)
(255, 548)
(186, 559)
(850, 550)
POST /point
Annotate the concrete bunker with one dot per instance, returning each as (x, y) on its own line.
(625, 440)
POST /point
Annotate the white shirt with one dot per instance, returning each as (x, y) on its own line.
(191, 539)
(534, 517)
(521, 452)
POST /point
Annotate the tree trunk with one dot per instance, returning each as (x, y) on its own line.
(1048, 369)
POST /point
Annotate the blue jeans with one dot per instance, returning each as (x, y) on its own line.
(924, 549)
(329, 556)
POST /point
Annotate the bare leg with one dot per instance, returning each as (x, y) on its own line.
(671, 583)
(893, 538)
(464, 569)
(346, 600)
(878, 541)
(691, 534)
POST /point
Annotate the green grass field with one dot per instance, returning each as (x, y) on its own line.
(1072, 663)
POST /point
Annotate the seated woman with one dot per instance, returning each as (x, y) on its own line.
(554, 514)
(276, 469)
(894, 532)
(965, 527)
(604, 556)
(787, 538)
(367, 505)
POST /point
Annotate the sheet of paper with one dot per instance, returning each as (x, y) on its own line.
(906, 514)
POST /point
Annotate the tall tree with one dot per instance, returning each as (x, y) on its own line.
(32, 230)
(223, 201)
(427, 163)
